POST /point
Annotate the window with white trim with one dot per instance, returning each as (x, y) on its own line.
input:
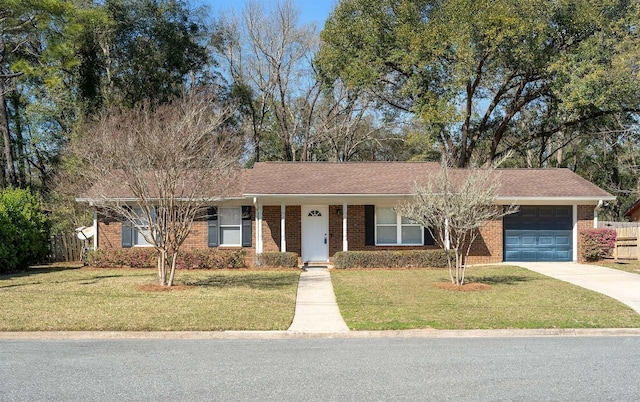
(141, 228)
(394, 229)
(230, 226)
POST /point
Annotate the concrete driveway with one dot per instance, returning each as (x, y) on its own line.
(620, 285)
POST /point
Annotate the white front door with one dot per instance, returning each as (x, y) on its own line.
(315, 233)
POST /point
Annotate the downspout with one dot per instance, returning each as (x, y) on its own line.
(95, 230)
(595, 214)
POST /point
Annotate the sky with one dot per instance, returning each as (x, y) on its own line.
(310, 10)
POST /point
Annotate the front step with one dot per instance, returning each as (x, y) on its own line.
(315, 264)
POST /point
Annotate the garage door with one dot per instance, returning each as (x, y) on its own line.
(539, 233)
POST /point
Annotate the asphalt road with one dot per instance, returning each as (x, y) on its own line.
(522, 369)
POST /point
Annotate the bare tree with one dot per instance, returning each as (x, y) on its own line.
(268, 56)
(159, 167)
(344, 123)
(453, 205)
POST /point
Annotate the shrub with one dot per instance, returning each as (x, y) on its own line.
(597, 243)
(146, 258)
(277, 259)
(134, 258)
(24, 230)
(224, 259)
(390, 259)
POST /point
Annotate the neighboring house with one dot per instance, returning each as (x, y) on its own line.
(633, 213)
(317, 209)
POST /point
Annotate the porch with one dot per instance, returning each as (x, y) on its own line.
(317, 232)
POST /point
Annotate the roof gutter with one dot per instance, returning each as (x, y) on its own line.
(134, 199)
(510, 199)
(593, 199)
(128, 200)
(501, 199)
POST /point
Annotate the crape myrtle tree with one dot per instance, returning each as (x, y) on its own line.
(453, 205)
(173, 159)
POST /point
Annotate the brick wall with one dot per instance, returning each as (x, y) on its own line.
(585, 221)
(335, 228)
(356, 233)
(110, 236)
(293, 229)
(271, 215)
(487, 247)
(271, 228)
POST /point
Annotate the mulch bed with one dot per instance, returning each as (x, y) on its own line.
(158, 288)
(467, 287)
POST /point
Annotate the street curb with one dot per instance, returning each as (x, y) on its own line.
(257, 335)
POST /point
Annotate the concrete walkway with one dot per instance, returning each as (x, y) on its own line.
(620, 285)
(316, 307)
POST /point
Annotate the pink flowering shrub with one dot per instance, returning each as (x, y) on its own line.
(146, 258)
(597, 243)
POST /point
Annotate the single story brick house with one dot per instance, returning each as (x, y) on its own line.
(316, 209)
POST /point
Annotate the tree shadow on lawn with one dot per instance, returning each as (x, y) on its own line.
(86, 281)
(499, 279)
(252, 281)
(39, 269)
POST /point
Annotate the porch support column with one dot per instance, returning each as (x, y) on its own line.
(345, 243)
(574, 211)
(95, 230)
(259, 247)
(283, 238)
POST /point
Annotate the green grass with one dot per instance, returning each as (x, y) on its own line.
(628, 265)
(518, 298)
(56, 299)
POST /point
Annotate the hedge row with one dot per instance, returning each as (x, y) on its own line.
(390, 259)
(277, 259)
(146, 258)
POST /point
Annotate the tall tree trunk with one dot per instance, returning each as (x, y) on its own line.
(6, 137)
(19, 144)
(3, 176)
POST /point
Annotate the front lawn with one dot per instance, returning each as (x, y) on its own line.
(632, 266)
(58, 299)
(517, 298)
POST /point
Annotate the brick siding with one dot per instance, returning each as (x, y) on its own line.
(271, 215)
(585, 221)
(488, 247)
(110, 236)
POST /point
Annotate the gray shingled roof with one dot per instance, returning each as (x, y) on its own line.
(336, 178)
(400, 177)
(378, 178)
(116, 187)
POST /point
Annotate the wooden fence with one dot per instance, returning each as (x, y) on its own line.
(616, 225)
(65, 247)
(627, 243)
